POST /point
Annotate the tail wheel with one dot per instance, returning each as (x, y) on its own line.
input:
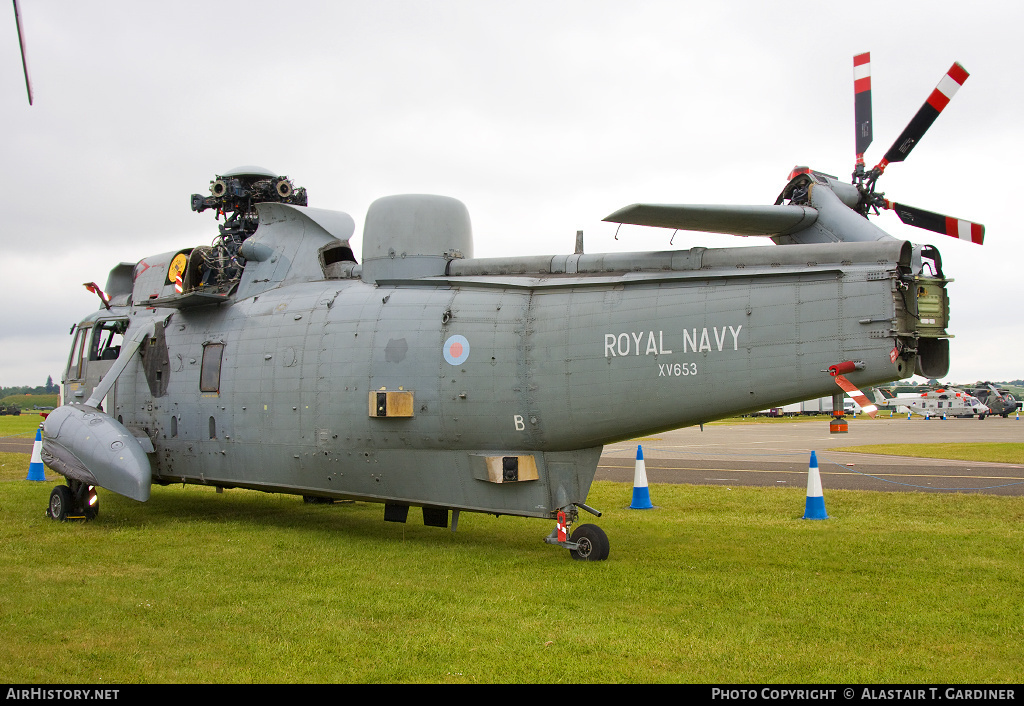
(591, 543)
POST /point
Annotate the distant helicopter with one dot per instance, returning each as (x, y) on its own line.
(1000, 402)
(943, 402)
(425, 377)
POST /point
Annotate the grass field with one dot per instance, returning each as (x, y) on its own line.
(980, 451)
(26, 402)
(23, 425)
(715, 585)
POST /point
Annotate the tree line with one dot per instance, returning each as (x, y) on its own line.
(50, 388)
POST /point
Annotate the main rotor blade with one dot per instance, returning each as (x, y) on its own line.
(21, 41)
(735, 220)
(935, 104)
(862, 103)
(937, 223)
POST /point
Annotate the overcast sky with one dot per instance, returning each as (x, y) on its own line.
(542, 117)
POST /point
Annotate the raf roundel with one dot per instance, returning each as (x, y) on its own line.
(456, 350)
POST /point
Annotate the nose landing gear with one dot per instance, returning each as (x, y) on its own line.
(74, 501)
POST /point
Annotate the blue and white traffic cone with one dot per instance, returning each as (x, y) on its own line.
(35, 466)
(815, 508)
(641, 493)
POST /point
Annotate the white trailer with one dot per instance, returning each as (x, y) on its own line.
(818, 405)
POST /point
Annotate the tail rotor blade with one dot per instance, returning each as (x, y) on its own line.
(937, 223)
(936, 102)
(862, 104)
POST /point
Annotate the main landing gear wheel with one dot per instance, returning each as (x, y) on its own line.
(591, 543)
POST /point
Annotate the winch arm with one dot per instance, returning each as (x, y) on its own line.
(127, 352)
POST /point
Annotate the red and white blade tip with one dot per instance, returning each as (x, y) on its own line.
(865, 404)
(862, 72)
(965, 230)
(948, 87)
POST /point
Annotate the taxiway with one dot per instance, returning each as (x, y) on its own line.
(778, 454)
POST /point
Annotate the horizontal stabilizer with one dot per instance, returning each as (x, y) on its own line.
(734, 220)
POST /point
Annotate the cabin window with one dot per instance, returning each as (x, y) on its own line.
(209, 376)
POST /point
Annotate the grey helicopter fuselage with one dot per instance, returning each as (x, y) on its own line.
(426, 377)
(423, 376)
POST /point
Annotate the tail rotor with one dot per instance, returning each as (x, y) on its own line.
(871, 200)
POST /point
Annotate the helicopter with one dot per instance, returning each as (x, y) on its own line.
(941, 402)
(1000, 402)
(422, 377)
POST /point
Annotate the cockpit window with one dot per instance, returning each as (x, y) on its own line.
(78, 352)
(107, 339)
